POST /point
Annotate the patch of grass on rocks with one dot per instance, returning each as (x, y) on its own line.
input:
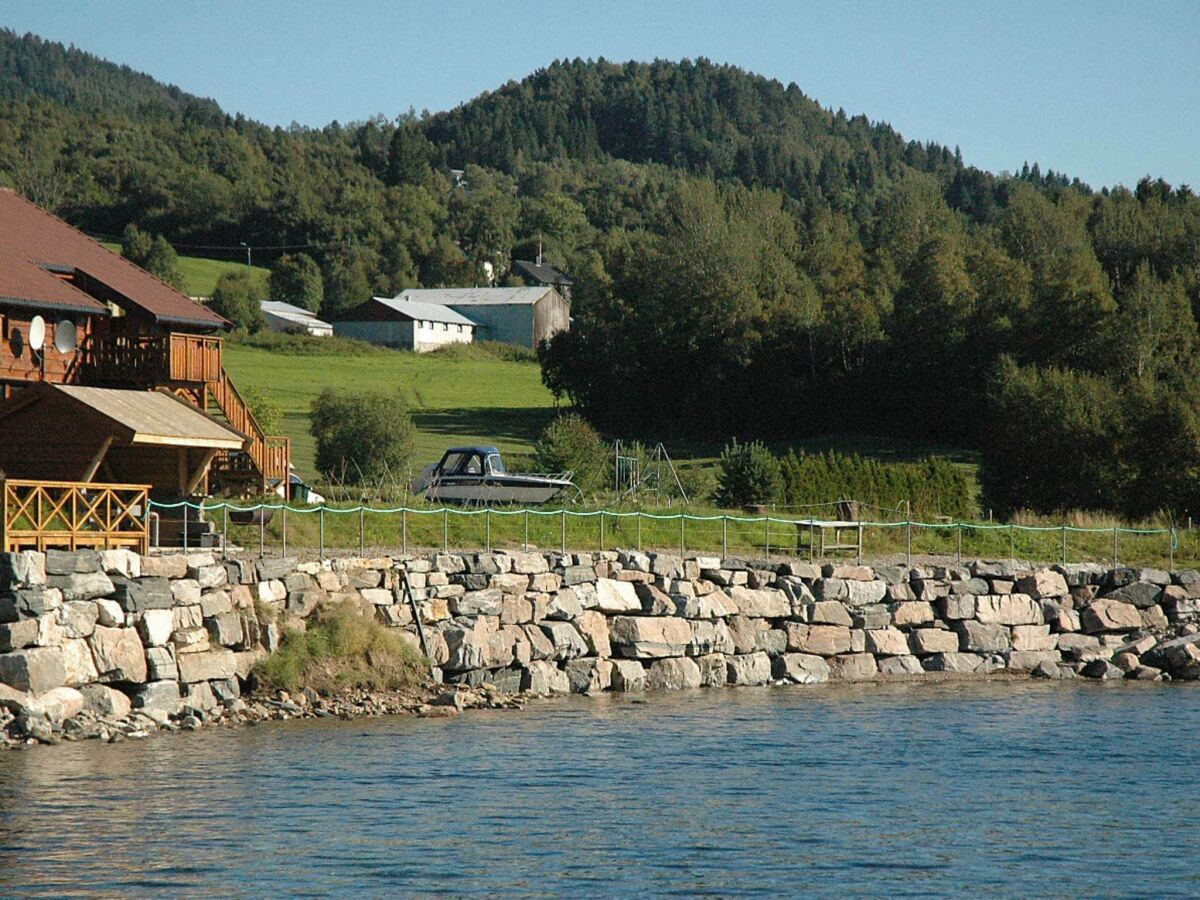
(341, 650)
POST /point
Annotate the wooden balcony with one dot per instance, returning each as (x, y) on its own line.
(154, 360)
(71, 515)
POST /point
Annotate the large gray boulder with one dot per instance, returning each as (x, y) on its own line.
(801, 668)
(206, 666)
(853, 667)
(617, 596)
(567, 641)
(1110, 615)
(1008, 609)
(673, 674)
(978, 637)
(544, 677)
(33, 670)
(887, 642)
(748, 669)
(650, 637)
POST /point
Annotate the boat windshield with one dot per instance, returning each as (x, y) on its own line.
(453, 462)
(495, 465)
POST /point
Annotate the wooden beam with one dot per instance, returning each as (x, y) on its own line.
(201, 471)
(90, 472)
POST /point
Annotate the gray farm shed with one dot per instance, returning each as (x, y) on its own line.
(523, 316)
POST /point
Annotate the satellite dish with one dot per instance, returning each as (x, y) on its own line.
(17, 342)
(37, 333)
(65, 337)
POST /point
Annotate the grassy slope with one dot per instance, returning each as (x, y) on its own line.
(455, 401)
(200, 275)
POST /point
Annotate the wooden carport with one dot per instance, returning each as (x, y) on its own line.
(61, 446)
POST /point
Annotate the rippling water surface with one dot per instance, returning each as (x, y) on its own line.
(1002, 789)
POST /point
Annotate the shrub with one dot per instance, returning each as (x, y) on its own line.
(933, 486)
(362, 437)
(749, 473)
(236, 297)
(264, 408)
(341, 650)
(569, 443)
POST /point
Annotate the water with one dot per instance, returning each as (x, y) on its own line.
(1011, 789)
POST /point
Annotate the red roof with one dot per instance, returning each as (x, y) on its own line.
(25, 283)
(29, 232)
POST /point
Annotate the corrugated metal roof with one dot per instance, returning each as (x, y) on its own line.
(156, 417)
(543, 272)
(25, 283)
(424, 310)
(31, 232)
(291, 313)
(503, 296)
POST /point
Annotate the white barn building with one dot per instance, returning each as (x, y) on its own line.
(289, 319)
(405, 324)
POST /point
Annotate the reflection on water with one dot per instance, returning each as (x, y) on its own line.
(1005, 789)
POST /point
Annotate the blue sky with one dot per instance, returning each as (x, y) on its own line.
(1106, 91)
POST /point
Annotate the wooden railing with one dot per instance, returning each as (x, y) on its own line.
(195, 358)
(155, 360)
(270, 454)
(37, 515)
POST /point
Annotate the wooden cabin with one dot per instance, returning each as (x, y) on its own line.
(103, 322)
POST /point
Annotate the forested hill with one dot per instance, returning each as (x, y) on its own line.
(746, 261)
(32, 67)
(716, 121)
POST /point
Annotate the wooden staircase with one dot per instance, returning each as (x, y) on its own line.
(260, 469)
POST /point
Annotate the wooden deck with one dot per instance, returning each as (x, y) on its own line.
(71, 515)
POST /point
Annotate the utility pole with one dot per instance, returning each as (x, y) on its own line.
(247, 246)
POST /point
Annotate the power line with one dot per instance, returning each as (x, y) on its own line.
(99, 235)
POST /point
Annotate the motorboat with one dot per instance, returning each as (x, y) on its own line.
(477, 476)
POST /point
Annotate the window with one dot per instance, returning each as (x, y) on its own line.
(453, 462)
(495, 465)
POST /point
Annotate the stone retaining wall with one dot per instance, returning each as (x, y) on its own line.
(107, 631)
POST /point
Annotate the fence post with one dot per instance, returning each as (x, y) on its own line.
(767, 529)
(1171, 549)
(1064, 544)
(404, 531)
(362, 532)
(445, 530)
(185, 525)
(526, 544)
(812, 540)
(959, 548)
(262, 530)
(321, 537)
(908, 541)
(487, 529)
(639, 531)
(602, 530)
(564, 532)
(724, 537)
(1115, 557)
(682, 521)
(285, 531)
(1012, 542)
(225, 527)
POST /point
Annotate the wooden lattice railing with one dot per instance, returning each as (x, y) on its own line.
(72, 515)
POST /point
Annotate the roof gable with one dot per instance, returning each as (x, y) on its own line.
(385, 308)
(25, 283)
(29, 231)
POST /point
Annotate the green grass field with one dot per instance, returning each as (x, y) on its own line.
(200, 275)
(455, 399)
